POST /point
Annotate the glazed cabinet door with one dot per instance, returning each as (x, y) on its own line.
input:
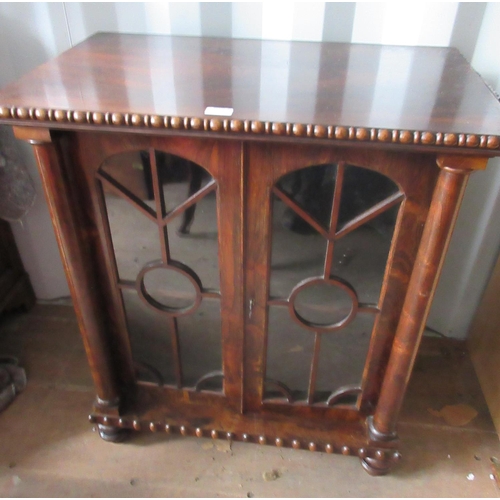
(331, 237)
(168, 220)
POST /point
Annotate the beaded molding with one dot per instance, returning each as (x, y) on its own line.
(184, 430)
(255, 127)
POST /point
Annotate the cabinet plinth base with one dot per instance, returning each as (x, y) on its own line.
(157, 409)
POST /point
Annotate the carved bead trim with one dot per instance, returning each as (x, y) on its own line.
(341, 133)
(184, 430)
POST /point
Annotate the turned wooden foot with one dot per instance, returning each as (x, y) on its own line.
(381, 463)
(113, 434)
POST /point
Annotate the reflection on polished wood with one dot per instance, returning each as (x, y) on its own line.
(426, 97)
(287, 210)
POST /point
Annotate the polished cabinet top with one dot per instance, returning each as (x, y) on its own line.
(413, 96)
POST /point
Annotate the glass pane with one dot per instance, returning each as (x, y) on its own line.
(323, 303)
(170, 288)
(201, 347)
(342, 356)
(289, 352)
(312, 189)
(130, 181)
(323, 275)
(290, 355)
(295, 256)
(150, 341)
(134, 236)
(360, 257)
(362, 189)
(180, 178)
(199, 248)
(131, 172)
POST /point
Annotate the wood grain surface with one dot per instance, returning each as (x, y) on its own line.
(408, 96)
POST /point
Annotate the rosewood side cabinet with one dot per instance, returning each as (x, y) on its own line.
(253, 230)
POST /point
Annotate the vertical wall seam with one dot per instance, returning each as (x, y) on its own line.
(67, 24)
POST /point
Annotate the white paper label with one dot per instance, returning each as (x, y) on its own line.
(215, 111)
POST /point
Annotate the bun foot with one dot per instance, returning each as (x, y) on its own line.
(113, 434)
(381, 463)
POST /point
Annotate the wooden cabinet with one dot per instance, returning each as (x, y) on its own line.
(261, 273)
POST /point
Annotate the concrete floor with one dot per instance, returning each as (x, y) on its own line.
(48, 448)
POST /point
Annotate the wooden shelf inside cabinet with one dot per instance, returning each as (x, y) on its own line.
(253, 230)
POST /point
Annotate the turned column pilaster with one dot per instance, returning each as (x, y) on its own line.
(70, 235)
(438, 228)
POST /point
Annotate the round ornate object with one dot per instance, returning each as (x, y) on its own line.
(156, 121)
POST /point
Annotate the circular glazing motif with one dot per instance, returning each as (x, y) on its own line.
(323, 305)
(173, 289)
